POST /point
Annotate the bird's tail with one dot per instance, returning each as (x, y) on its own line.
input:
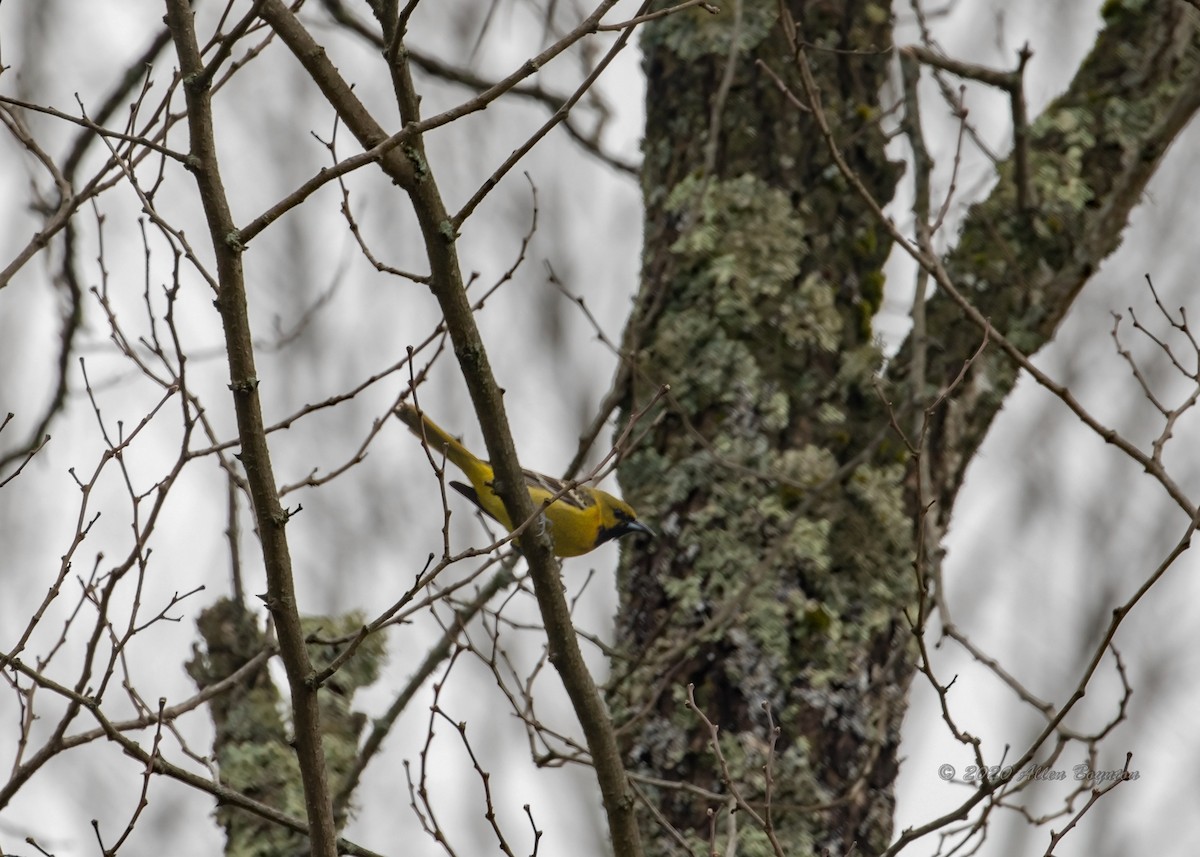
(439, 439)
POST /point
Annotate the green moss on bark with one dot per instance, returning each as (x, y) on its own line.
(781, 572)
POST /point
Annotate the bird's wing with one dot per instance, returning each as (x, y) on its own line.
(542, 488)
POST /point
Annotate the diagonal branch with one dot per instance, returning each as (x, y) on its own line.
(410, 169)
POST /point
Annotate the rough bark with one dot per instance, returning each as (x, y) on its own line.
(786, 554)
(786, 503)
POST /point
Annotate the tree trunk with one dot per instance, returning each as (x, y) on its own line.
(783, 584)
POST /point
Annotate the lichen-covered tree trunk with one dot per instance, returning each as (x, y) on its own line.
(786, 502)
(786, 555)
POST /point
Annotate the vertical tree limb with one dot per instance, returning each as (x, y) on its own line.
(255, 455)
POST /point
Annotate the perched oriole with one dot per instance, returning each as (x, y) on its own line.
(580, 520)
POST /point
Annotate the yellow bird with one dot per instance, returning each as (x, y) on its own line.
(580, 520)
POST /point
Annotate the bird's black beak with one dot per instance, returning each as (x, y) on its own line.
(639, 527)
(622, 529)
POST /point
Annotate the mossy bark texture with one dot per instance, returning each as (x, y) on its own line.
(784, 577)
